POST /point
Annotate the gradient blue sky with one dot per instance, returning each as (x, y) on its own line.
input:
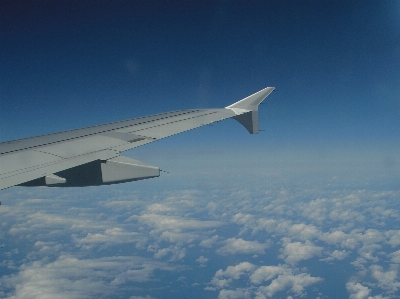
(335, 64)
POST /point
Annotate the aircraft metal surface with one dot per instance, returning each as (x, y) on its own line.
(91, 156)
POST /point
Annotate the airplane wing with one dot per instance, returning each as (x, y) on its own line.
(91, 156)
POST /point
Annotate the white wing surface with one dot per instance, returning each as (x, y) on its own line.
(91, 156)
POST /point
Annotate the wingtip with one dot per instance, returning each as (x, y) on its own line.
(246, 110)
(251, 102)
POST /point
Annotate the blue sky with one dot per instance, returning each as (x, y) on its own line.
(235, 211)
(335, 64)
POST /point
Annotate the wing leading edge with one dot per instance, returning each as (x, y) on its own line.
(91, 156)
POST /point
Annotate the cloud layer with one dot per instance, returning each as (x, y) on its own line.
(255, 241)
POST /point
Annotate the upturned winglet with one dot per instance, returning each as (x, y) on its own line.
(246, 110)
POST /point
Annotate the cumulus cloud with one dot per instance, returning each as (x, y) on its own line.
(302, 220)
(336, 255)
(304, 231)
(71, 277)
(209, 241)
(395, 257)
(176, 253)
(359, 263)
(266, 273)
(235, 271)
(278, 278)
(240, 246)
(294, 252)
(202, 260)
(357, 290)
(222, 279)
(178, 236)
(294, 283)
(394, 237)
(387, 280)
(234, 294)
(175, 229)
(338, 237)
(109, 237)
(165, 222)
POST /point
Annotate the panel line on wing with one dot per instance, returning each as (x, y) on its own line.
(176, 121)
(132, 122)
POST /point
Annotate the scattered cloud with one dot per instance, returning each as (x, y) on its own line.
(240, 246)
(295, 283)
(72, 277)
(387, 280)
(273, 279)
(202, 260)
(110, 237)
(209, 241)
(294, 252)
(164, 222)
(265, 273)
(234, 294)
(336, 255)
(174, 252)
(357, 290)
(395, 257)
(184, 229)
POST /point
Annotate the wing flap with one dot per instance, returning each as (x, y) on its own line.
(49, 168)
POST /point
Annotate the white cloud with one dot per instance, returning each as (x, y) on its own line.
(338, 237)
(395, 257)
(160, 208)
(209, 242)
(370, 237)
(367, 252)
(280, 278)
(316, 210)
(304, 231)
(109, 237)
(242, 218)
(202, 260)
(359, 263)
(44, 225)
(240, 246)
(180, 227)
(234, 294)
(222, 279)
(177, 236)
(235, 271)
(336, 255)
(387, 280)
(70, 277)
(175, 253)
(296, 283)
(294, 252)
(394, 237)
(164, 222)
(357, 290)
(176, 229)
(265, 273)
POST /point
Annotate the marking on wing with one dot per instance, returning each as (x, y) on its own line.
(125, 136)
